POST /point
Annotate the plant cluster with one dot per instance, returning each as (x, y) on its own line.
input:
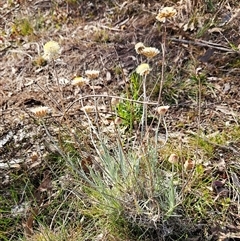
(126, 184)
(122, 176)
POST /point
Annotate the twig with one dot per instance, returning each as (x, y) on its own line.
(206, 44)
(11, 10)
(163, 47)
(21, 52)
(109, 96)
(109, 28)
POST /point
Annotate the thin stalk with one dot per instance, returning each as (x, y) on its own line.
(109, 96)
(199, 103)
(58, 84)
(163, 47)
(144, 115)
(161, 118)
(49, 95)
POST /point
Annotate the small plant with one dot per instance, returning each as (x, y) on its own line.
(22, 27)
(129, 111)
(101, 36)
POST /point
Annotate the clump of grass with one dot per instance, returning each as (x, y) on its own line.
(22, 27)
(129, 187)
(132, 190)
(101, 36)
(113, 182)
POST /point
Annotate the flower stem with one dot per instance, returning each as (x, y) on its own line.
(163, 46)
(144, 115)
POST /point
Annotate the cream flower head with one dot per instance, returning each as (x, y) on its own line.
(150, 52)
(51, 50)
(165, 13)
(161, 110)
(40, 111)
(92, 74)
(173, 158)
(139, 47)
(80, 81)
(118, 121)
(143, 69)
(114, 101)
(189, 165)
(88, 108)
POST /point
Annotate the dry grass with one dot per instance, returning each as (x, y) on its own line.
(78, 174)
